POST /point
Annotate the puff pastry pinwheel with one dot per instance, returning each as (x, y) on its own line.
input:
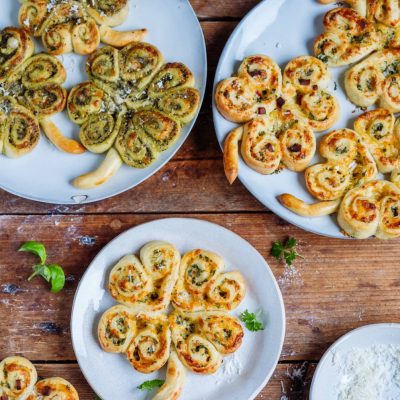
(134, 107)
(380, 132)
(371, 210)
(252, 92)
(146, 284)
(203, 285)
(375, 80)
(305, 80)
(349, 163)
(201, 339)
(348, 38)
(175, 380)
(17, 378)
(72, 25)
(54, 388)
(269, 142)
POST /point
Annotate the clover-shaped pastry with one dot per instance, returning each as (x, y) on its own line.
(349, 163)
(372, 209)
(134, 106)
(385, 16)
(199, 328)
(31, 92)
(202, 338)
(203, 285)
(305, 80)
(268, 143)
(380, 132)
(375, 80)
(68, 25)
(252, 92)
(146, 283)
(18, 378)
(348, 38)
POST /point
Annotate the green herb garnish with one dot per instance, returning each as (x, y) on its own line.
(52, 273)
(150, 385)
(286, 251)
(252, 321)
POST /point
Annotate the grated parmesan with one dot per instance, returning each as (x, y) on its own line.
(371, 373)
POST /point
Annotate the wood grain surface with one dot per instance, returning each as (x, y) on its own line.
(338, 286)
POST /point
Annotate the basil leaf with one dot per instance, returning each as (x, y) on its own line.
(150, 385)
(40, 270)
(35, 248)
(57, 278)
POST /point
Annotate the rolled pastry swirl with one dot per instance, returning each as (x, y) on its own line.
(150, 348)
(146, 284)
(203, 285)
(305, 80)
(380, 132)
(17, 378)
(175, 379)
(116, 329)
(15, 47)
(201, 338)
(54, 388)
(375, 80)
(348, 38)
(371, 210)
(109, 12)
(252, 92)
(19, 129)
(349, 163)
(268, 142)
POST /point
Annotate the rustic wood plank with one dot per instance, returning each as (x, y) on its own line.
(339, 286)
(222, 8)
(290, 380)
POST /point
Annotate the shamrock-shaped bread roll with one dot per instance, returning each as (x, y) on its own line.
(201, 339)
(269, 142)
(203, 285)
(305, 80)
(375, 80)
(381, 133)
(146, 283)
(348, 38)
(174, 381)
(372, 209)
(149, 350)
(66, 26)
(349, 163)
(116, 329)
(17, 378)
(54, 388)
(252, 92)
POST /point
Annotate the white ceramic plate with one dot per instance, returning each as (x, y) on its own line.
(46, 173)
(326, 377)
(248, 370)
(283, 30)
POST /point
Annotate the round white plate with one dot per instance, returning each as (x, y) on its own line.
(246, 372)
(46, 173)
(283, 30)
(326, 377)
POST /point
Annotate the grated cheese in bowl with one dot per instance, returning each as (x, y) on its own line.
(371, 373)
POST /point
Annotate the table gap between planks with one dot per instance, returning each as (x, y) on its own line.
(340, 285)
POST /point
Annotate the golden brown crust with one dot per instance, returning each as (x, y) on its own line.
(61, 142)
(120, 39)
(231, 154)
(54, 388)
(348, 38)
(203, 285)
(304, 209)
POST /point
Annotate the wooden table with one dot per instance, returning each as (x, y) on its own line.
(340, 284)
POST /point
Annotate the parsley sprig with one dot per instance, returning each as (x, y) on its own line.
(150, 385)
(286, 250)
(252, 320)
